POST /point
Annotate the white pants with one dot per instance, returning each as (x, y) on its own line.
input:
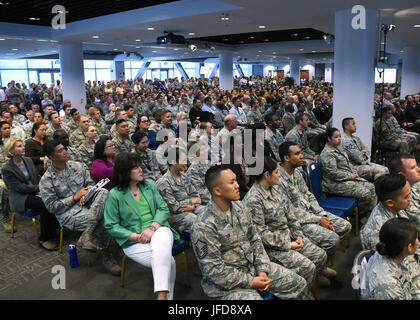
(157, 255)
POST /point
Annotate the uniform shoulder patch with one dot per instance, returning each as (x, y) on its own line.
(201, 249)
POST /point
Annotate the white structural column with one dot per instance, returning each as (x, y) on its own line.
(328, 72)
(354, 72)
(226, 71)
(119, 71)
(295, 71)
(72, 74)
(410, 75)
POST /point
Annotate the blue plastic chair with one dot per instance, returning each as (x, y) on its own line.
(341, 206)
(178, 248)
(359, 266)
(267, 295)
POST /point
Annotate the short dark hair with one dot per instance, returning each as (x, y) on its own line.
(299, 116)
(73, 111)
(396, 165)
(50, 115)
(394, 235)
(345, 122)
(99, 150)
(389, 186)
(35, 127)
(66, 106)
(118, 122)
(137, 136)
(128, 107)
(212, 176)
(123, 165)
(284, 149)
(269, 166)
(49, 147)
(269, 117)
(330, 132)
(207, 99)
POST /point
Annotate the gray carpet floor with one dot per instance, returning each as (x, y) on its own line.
(26, 273)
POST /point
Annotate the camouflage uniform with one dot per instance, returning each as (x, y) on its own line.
(301, 139)
(72, 154)
(278, 228)
(122, 145)
(368, 170)
(149, 165)
(254, 117)
(230, 254)
(177, 193)
(87, 152)
(338, 179)
(196, 173)
(57, 189)
(388, 281)
(77, 138)
(389, 138)
(274, 140)
(369, 236)
(412, 136)
(51, 129)
(101, 127)
(310, 213)
(72, 125)
(66, 119)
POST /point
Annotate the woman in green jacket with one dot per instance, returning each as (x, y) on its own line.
(137, 217)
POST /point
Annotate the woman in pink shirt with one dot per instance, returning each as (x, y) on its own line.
(103, 165)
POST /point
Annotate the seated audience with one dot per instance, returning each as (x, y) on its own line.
(33, 147)
(104, 158)
(86, 149)
(386, 277)
(340, 179)
(121, 140)
(137, 217)
(22, 180)
(229, 251)
(63, 189)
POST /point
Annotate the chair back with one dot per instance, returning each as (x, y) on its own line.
(315, 176)
(358, 282)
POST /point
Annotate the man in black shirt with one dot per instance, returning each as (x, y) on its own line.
(195, 112)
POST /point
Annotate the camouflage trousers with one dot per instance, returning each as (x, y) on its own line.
(185, 220)
(371, 171)
(363, 191)
(90, 215)
(412, 262)
(402, 146)
(325, 238)
(285, 284)
(4, 202)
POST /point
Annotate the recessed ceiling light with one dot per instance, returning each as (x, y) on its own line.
(417, 26)
(115, 49)
(266, 40)
(261, 27)
(15, 49)
(307, 37)
(313, 51)
(402, 51)
(301, 49)
(251, 38)
(41, 40)
(185, 52)
(226, 39)
(274, 53)
(295, 34)
(176, 49)
(241, 41)
(150, 28)
(137, 47)
(224, 17)
(2, 39)
(138, 40)
(34, 19)
(95, 37)
(4, 3)
(191, 34)
(154, 51)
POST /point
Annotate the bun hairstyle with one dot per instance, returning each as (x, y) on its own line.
(330, 132)
(389, 186)
(395, 235)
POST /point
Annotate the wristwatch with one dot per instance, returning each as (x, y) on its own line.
(153, 228)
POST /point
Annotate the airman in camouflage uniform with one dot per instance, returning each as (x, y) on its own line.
(178, 193)
(359, 158)
(386, 136)
(309, 212)
(57, 189)
(388, 281)
(273, 216)
(196, 173)
(150, 166)
(101, 127)
(338, 178)
(231, 254)
(87, 152)
(300, 137)
(122, 145)
(274, 139)
(51, 129)
(369, 236)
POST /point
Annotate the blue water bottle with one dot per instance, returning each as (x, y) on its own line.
(74, 262)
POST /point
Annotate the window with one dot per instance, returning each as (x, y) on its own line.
(40, 64)
(20, 76)
(13, 64)
(390, 75)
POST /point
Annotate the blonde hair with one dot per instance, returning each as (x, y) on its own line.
(10, 145)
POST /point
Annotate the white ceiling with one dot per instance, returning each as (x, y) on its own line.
(120, 31)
